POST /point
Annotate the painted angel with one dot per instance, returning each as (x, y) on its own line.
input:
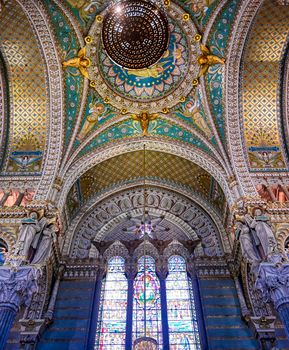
(81, 62)
(144, 118)
(207, 59)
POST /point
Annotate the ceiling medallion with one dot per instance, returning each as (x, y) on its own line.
(135, 33)
(154, 89)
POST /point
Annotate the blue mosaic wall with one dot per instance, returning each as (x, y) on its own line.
(72, 317)
(222, 317)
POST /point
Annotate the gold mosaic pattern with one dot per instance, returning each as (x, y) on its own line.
(26, 66)
(260, 84)
(158, 166)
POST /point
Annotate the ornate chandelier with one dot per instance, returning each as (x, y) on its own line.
(135, 33)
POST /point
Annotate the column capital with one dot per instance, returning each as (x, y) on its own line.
(18, 285)
(273, 281)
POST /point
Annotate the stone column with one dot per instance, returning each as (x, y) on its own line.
(101, 271)
(130, 272)
(244, 309)
(49, 313)
(162, 272)
(273, 281)
(16, 288)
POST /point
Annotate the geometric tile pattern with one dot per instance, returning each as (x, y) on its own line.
(158, 166)
(28, 92)
(260, 86)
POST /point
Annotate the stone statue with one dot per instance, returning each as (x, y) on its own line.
(45, 244)
(248, 248)
(256, 237)
(29, 228)
(265, 238)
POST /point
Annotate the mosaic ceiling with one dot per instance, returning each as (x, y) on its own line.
(128, 168)
(103, 103)
(28, 102)
(261, 86)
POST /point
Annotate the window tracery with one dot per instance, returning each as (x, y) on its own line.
(146, 310)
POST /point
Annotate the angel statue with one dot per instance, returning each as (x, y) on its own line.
(144, 118)
(207, 59)
(81, 62)
(29, 230)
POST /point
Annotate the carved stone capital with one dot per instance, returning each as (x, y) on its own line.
(264, 329)
(17, 286)
(273, 281)
(31, 330)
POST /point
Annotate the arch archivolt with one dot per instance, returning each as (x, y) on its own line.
(245, 17)
(40, 22)
(176, 206)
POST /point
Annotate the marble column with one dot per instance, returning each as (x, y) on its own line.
(244, 309)
(16, 288)
(50, 311)
(162, 272)
(273, 281)
(130, 271)
(101, 272)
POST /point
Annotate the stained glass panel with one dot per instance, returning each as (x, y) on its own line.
(3, 251)
(146, 303)
(111, 326)
(182, 318)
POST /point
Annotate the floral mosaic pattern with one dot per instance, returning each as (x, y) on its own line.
(132, 128)
(218, 42)
(74, 81)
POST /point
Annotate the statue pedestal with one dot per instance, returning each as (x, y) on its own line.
(273, 281)
(16, 288)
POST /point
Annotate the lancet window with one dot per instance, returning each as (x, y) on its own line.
(111, 325)
(182, 315)
(146, 311)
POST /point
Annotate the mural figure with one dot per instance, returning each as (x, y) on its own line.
(24, 159)
(207, 59)
(95, 112)
(193, 110)
(86, 8)
(80, 62)
(144, 118)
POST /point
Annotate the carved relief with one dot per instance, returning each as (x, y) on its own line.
(184, 210)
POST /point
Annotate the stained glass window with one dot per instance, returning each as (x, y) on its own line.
(3, 251)
(111, 326)
(147, 303)
(182, 318)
